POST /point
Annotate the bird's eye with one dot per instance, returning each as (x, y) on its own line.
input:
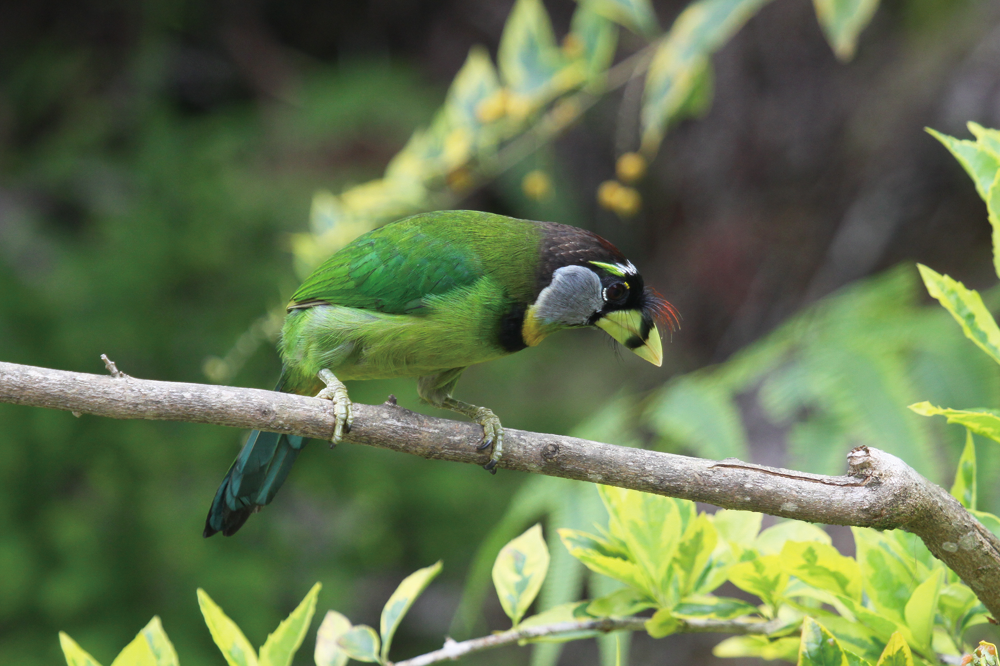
(616, 291)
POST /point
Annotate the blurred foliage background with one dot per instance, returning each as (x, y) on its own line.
(157, 158)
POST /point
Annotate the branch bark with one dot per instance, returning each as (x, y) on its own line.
(879, 491)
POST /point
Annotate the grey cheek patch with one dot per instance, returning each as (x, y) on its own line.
(572, 298)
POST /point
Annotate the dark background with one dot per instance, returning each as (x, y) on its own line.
(155, 157)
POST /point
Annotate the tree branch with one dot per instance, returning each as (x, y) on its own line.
(880, 490)
(453, 650)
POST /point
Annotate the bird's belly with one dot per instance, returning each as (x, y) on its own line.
(360, 344)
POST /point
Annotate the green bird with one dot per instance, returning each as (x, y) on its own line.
(426, 297)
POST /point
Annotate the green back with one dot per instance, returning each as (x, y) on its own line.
(395, 267)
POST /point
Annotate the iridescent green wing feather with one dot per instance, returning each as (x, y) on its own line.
(394, 268)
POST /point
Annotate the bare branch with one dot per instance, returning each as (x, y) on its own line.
(453, 650)
(880, 490)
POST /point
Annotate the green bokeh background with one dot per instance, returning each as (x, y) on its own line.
(151, 174)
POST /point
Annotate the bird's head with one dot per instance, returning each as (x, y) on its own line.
(587, 281)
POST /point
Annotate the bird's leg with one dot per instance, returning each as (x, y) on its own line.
(342, 412)
(436, 390)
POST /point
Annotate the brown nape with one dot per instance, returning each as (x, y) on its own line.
(563, 245)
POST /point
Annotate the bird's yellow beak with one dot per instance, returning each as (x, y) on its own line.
(635, 332)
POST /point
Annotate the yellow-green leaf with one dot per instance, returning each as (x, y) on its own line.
(977, 160)
(573, 611)
(360, 643)
(713, 607)
(964, 487)
(818, 647)
(227, 635)
(75, 655)
(401, 600)
(636, 15)
(663, 623)
(786, 648)
(920, 610)
(528, 57)
(842, 21)
(966, 306)
(622, 602)
(820, 565)
(764, 577)
(737, 527)
(150, 647)
(596, 557)
(896, 653)
(693, 552)
(989, 521)
(519, 570)
(985, 422)
(650, 526)
(680, 62)
(281, 646)
(772, 540)
(327, 652)
(596, 36)
(989, 139)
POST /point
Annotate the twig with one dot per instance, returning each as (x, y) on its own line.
(453, 650)
(112, 368)
(879, 491)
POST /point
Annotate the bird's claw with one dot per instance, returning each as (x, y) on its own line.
(343, 413)
(492, 436)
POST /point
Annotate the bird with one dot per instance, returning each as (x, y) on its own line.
(426, 297)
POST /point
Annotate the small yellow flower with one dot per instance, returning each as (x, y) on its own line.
(537, 185)
(492, 108)
(624, 201)
(630, 167)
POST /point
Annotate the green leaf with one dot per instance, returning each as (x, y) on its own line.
(964, 488)
(693, 553)
(700, 416)
(985, 422)
(474, 84)
(528, 57)
(764, 577)
(650, 526)
(896, 653)
(988, 139)
(712, 607)
(519, 571)
(920, 610)
(978, 160)
(401, 600)
(738, 527)
(598, 557)
(327, 652)
(888, 578)
(622, 602)
(772, 540)
(820, 565)
(360, 643)
(573, 611)
(234, 645)
(597, 37)
(966, 306)
(842, 21)
(759, 646)
(75, 655)
(150, 647)
(818, 647)
(281, 646)
(680, 63)
(663, 623)
(636, 15)
(989, 521)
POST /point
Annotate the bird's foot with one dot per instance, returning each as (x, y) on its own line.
(492, 436)
(343, 414)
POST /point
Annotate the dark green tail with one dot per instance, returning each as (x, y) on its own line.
(252, 480)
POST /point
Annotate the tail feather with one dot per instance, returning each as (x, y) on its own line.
(252, 480)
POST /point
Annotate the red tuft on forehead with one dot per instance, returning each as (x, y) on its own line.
(660, 309)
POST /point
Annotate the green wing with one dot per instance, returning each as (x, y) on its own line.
(393, 268)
